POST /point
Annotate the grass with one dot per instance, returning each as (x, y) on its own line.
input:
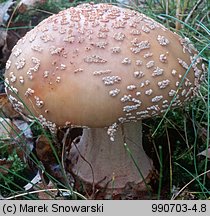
(176, 138)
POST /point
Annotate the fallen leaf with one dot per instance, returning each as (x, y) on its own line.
(205, 153)
(208, 175)
(44, 150)
(4, 17)
(4, 7)
(3, 36)
(5, 165)
(25, 5)
(6, 108)
(23, 140)
(46, 155)
(17, 134)
(45, 193)
(26, 132)
(7, 41)
(5, 128)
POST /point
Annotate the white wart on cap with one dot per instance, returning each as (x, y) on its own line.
(97, 65)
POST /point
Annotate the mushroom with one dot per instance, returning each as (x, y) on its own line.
(102, 68)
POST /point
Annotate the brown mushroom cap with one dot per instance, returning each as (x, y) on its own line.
(97, 64)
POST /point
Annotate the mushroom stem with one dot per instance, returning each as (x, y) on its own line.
(108, 164)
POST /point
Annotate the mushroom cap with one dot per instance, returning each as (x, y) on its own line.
(97, 64)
